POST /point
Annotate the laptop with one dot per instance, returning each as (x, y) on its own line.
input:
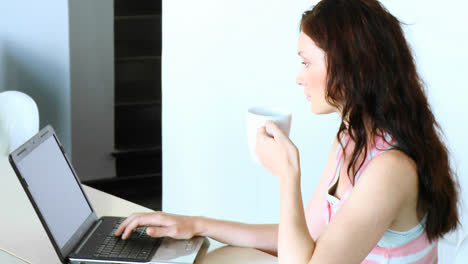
(70, 221)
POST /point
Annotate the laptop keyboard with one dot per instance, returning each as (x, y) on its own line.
(138, 246)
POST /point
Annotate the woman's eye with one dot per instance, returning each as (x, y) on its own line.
(306, 64)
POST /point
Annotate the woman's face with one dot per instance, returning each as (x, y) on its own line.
(313, 75)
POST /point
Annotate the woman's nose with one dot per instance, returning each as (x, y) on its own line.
(299, 80)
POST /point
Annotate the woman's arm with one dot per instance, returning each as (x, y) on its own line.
(281, 157)
(263, 237)
(387, 185)
(374, 203)
(295, 244)
(316, 206)
(160, 224)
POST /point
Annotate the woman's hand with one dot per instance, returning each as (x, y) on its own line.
(159, 224)
(277, 154)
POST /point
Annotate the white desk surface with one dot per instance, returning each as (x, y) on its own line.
(22, 233)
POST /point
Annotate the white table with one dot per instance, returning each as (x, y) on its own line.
(22, 233)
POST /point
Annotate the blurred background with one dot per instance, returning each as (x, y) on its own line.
(149, 97)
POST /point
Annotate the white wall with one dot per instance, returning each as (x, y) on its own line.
(61, 54)
(35, 58)
(219, 57)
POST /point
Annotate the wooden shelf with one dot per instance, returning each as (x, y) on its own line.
(136, 17)
(136, 104)
(117, 180)
(138, 94)
(137, 72)
(136, 7)
(138, 36)
(137, 108)
(143, 189)
(137, 151)
(137, 58)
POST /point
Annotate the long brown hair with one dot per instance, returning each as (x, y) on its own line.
(372, 78)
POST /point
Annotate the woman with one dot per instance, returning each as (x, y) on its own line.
(387, 193)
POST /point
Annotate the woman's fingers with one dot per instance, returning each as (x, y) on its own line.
(274, 129)
(261, 132)
(261, 139)
(149, 219)
(158, 224)
(278, 154)
(124, 224)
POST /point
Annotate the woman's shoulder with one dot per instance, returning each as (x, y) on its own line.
(394, 167)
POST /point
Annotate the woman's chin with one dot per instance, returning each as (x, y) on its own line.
(322, 111)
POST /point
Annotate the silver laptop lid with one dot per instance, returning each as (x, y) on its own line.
(54, 190)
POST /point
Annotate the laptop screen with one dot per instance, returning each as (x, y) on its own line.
(55, 190)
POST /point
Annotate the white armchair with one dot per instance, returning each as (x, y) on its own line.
(19, 120)
(462, 251)
(453, 248)
(461, 256)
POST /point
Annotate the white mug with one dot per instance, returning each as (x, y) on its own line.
(257, 117)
